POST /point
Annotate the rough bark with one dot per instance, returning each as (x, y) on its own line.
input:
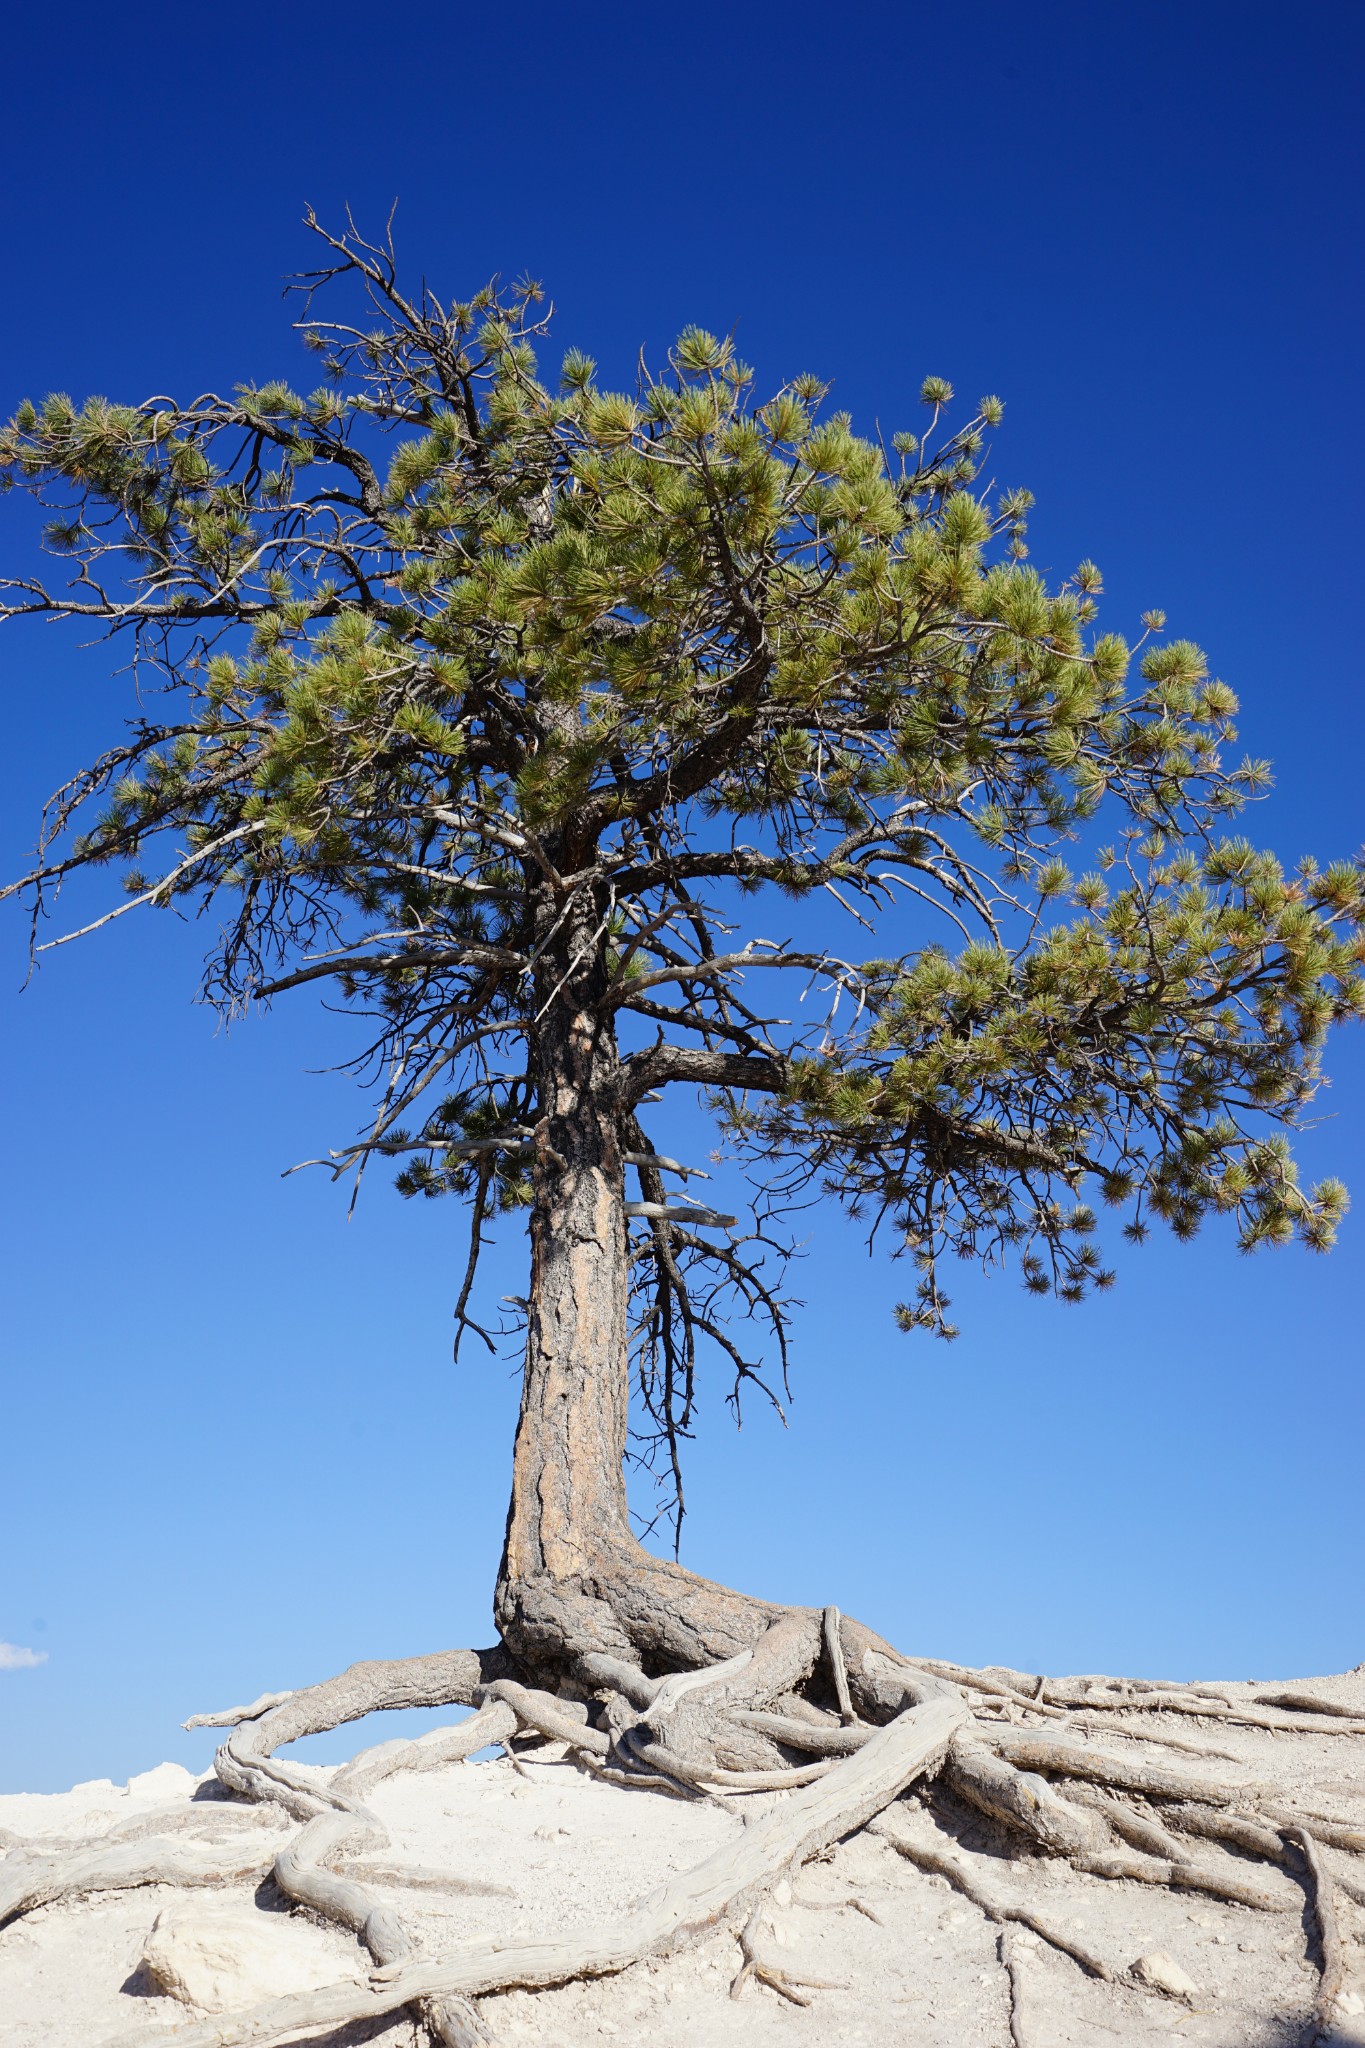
(574, 1580)
(568, 1509)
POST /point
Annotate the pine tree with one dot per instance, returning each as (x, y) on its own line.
(527, 716)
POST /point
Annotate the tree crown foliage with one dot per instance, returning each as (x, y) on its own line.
(554, 659)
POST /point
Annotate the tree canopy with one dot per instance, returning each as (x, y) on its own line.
(484, 687)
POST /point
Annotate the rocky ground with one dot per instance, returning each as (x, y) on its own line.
(903, 1957)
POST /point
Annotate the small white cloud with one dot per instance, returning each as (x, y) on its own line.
(12, 1658)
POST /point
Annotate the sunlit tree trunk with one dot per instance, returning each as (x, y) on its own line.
(568, 1520)
(574, 1577)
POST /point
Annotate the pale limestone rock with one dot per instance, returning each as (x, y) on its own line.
(1162, 1973)
(164, 1781)
(220, 1955)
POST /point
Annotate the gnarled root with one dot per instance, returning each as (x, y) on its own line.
(805, 1702)
(932, 1853)
(1331, 1962)
(245, 1762)
(730, 1881)
(1008, 1951)
(29, 1879)
(335, 1816)
(300, 1872)
(759, 1963)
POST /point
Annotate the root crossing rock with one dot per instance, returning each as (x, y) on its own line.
(553, 1899)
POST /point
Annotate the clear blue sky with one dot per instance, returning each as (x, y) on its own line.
(236, 1455)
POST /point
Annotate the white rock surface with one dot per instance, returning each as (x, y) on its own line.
(96, 1804)
(220, 1954)
(1164, 1974)
(574, 1851)
(163, 1782)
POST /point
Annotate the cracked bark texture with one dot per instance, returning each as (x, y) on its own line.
(574, 1580)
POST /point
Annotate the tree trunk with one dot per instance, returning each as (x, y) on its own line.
(568, 1512)
(574, 1579)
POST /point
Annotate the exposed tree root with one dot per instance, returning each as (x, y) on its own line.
(834, 1650)
(761, 1965)
(1073, 1760)
(1161, 1737)
(29, 1880)
(1215, 1825)
(1318, 1719)
(730, 1881)
(1008, 1951)
(852, 1904)
(1179, 1875)
(1335, 1833)
(1306, 1703)
(814, 1706)
(1331, 1962)
(228, 1717)
(426, 1753)
(450, 1678)
(299, 1870)
(991, 1685)
(934, 1854)
(819, 1740)
(334, 1815)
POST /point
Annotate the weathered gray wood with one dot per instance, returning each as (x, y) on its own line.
(557, 1720)
(344, 1897)
(492, 1723)
(1023, 1801)
(1331, 1959)
(228, 1717)
(611, 1673)
(793, 1734)
(1214, 1824)
(1337, 1834)
(1136, 1868)
(1072, 1760)
(727, 1883)
(680, 1212)
(934, 1853)
(834, 1651)
(28, 1880)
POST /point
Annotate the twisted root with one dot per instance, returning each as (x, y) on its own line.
(933, 1854)
(759, 1963)
(1331, 1961)
(816, 1707)
(29, 1880)
(1014, 1977)
(731, 1881)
